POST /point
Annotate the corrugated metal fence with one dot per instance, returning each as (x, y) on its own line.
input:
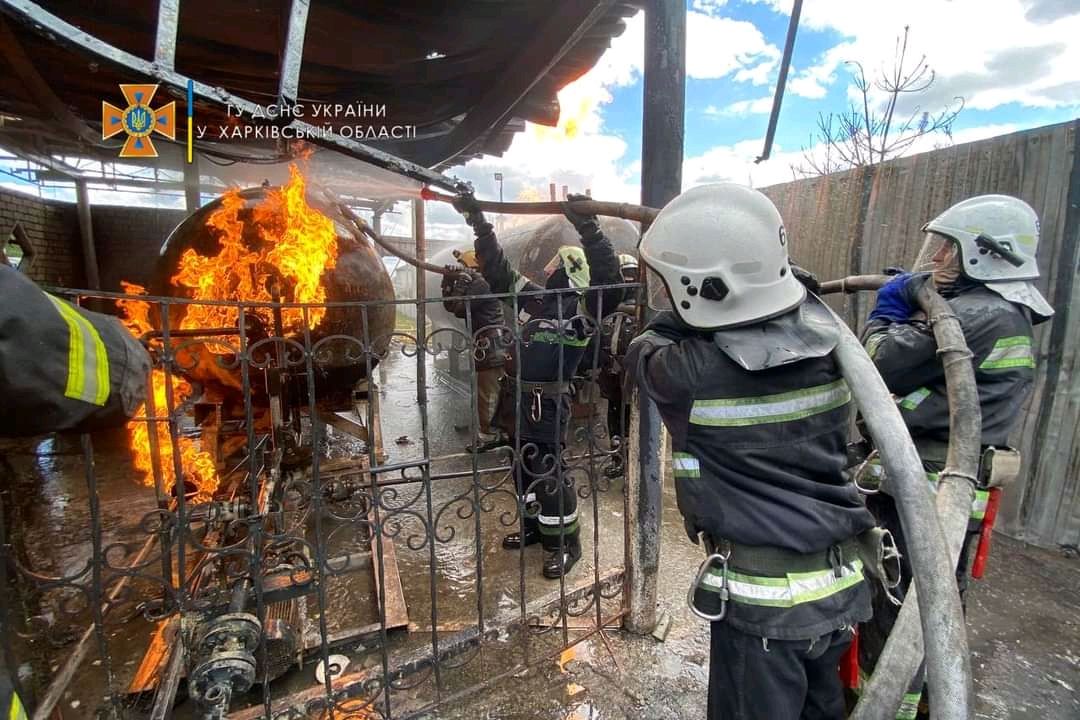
(866, 219)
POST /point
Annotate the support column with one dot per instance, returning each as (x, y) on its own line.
(192, 186)
(86, 235)
(661, 180)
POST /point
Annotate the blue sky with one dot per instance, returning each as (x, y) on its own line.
(1017, 67)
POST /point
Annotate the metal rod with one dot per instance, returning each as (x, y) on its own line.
(168, 21)
(293, 56)
(853, 283)
(86, 235)
(627, 211)
(781, 80)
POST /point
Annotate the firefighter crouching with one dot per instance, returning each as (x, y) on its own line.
(484, 320)
(739, 364)
(555, 328)
(981, 253)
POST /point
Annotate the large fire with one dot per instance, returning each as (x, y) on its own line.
(287, 248)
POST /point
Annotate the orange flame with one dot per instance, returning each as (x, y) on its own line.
(297, 244)
(289, 244)
(198, 467)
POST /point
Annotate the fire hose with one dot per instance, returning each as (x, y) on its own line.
(948, 662)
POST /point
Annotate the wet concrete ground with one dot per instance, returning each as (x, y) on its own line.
(1024, 623)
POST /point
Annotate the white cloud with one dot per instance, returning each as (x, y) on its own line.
(990, 53)
(756, 106)
(718, 46)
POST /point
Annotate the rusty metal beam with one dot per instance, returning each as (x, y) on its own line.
(64, 33)
(165, 41)
(293, 56)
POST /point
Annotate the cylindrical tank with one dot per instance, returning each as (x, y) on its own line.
(358, 275)
(528, 246)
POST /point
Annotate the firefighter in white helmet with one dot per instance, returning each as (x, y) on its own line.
(981, 255)
(739, 364)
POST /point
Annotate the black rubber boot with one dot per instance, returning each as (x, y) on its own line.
(513, 540)
(558, 564)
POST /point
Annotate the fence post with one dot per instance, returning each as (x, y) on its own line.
(661, 180)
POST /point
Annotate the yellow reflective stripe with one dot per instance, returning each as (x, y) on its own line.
(782, 407)
(1010, 352)
(88, 363)
(16, 711)
(909, 706)
(914, 398)
(685, 465)
(785, 592)
(873, 343)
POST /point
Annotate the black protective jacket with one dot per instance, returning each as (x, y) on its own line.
(64, 368)
(999, 335)
(484, 317)
(758, 460)
(555, 326)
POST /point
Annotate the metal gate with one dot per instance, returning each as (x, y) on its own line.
(326, 515)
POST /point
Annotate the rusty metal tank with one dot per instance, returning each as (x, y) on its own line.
(358, 275)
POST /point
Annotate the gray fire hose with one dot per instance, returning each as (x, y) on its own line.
(904, 649)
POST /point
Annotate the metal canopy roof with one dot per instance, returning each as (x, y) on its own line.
(465, 74)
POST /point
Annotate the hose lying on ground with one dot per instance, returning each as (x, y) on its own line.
(904, 651)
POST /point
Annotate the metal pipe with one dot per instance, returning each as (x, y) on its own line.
(781, 81)
(948, 669)
(626, 211)
(86, 235)
(904, 649)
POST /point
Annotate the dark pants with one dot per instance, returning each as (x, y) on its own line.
(550, 504)
(487, 394)
(618, 413)
(788, 679)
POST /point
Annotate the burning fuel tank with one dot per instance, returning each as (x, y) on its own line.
(528, 245)
(269, 244)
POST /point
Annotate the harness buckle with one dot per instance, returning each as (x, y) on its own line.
(536, 412)
(711, 556)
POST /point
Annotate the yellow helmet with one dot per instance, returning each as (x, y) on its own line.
(467, 258)
(572, 259)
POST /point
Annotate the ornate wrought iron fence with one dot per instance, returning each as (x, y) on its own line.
(298, 539)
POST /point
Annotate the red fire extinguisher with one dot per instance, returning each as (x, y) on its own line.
(978, 567)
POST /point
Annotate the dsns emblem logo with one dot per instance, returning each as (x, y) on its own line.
(138, 120)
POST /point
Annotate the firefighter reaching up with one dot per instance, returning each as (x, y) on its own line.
(555, 327)
(739, 364)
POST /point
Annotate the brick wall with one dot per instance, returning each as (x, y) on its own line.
(53, 231)
(128, 240)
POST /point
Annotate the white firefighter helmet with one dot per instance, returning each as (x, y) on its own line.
(985, 222)
(720, 252)
(572, 259)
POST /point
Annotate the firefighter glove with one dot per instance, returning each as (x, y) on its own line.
(586, 225)
(896, 299)
(466, 204)
(807, 278)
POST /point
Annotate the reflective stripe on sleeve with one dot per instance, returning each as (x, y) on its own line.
(88, 364)
(914, 398)
(1010, 352)
(556, 520)
(785, 592)
(783, 407)
(684, 465)
(16, 711)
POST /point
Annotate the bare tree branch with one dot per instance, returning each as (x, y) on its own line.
(873, 133)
